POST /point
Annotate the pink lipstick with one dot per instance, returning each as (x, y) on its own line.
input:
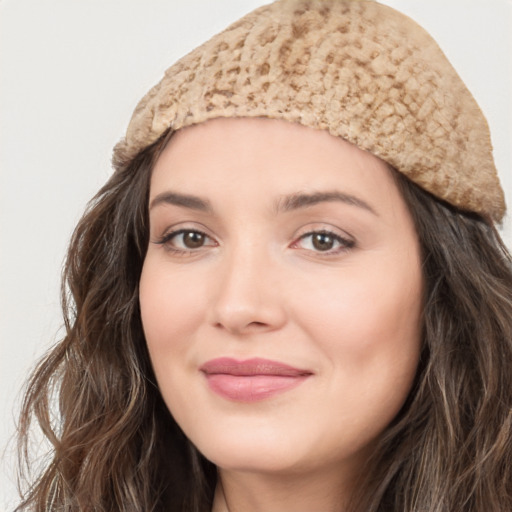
(251, 380)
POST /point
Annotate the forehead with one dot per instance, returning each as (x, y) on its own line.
(248, 159)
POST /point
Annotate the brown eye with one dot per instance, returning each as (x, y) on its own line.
(322, 241)
(186, 240)
(193, 239)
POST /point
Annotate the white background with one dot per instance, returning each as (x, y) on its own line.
(71, 72)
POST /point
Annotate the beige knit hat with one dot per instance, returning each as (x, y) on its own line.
(356, 68)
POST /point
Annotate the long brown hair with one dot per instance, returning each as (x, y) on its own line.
(116, 447)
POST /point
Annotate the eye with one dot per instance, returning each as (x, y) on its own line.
(185, 240)
(324, 241)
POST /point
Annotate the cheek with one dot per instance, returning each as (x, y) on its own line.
(364, 306)
(368, 324)
(171, 312)
(170, 309)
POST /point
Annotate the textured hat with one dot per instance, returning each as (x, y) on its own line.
(359, 69)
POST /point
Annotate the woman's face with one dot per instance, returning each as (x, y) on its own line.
(281, 294)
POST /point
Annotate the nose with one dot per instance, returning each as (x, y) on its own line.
(247, 298)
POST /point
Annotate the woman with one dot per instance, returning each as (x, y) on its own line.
(290, 295)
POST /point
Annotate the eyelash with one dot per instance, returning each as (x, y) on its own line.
(344, 243)
(168, 237)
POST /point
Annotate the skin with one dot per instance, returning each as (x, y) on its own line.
(258, 284)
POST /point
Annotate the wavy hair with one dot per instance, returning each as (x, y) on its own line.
(116, 447)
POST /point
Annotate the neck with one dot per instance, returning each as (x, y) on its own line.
(250, 492)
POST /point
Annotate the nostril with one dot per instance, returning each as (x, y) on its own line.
(242, 327)
(258, 324)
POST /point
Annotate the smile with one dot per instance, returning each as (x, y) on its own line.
(251, 380)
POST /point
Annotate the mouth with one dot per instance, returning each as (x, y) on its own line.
(251, 380)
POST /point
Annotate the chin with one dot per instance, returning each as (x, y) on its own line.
(255, 461)
(255, 450)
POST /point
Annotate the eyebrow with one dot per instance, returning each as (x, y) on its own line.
(184, 200)
(284, 204)
(303, 200)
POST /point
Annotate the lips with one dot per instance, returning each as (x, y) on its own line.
(252, 379)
